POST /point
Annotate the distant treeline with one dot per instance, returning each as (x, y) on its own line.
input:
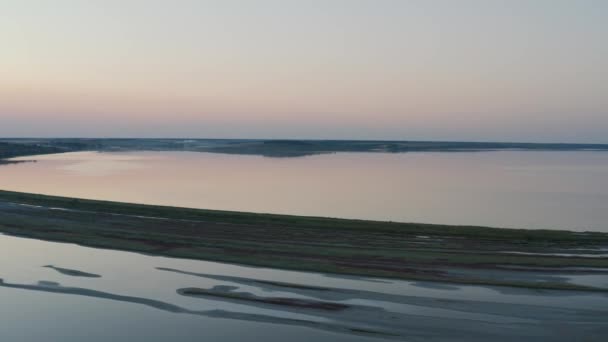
(269, 148)
(9, 150)
(296, 148)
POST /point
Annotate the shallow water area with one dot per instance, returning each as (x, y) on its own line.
(136, 298)
(62, 292)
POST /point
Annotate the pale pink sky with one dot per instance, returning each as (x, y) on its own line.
(371, 69)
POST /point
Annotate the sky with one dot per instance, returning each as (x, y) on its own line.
(476, 70)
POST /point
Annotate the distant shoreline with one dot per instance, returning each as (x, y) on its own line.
(278, 148)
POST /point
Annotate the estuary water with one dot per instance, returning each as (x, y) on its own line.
(63, 292)
(520, 189)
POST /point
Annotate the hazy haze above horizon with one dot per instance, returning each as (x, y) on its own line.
(346, 69)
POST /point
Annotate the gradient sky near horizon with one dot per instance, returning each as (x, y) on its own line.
(510, 70)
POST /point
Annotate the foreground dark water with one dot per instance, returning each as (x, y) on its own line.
(522, 189)
(63, 292)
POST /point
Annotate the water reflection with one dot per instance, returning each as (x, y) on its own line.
(134, 288)
(560, 190)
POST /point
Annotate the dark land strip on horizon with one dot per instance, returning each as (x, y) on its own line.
(18, 147)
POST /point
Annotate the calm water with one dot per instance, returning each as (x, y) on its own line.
(134, 297)
(559, 190)
(131, 299)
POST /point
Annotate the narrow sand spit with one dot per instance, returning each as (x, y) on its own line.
(73, 273)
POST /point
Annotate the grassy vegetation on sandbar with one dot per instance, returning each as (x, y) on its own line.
(358, 247)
